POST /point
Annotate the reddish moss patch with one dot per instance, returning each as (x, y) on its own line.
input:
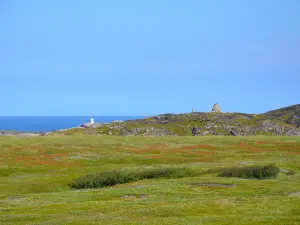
(45, 160)
(156, 149)
(208, 147)
(200, 153)
(294, 153)
(202, 146)
(242, 144)
(156, 156)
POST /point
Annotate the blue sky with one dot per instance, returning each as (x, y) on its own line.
(137, 57)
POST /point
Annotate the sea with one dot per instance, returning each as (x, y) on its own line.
(53, 123)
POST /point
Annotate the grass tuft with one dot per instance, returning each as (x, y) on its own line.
(251, 172)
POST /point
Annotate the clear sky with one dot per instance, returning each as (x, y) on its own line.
(133, 57)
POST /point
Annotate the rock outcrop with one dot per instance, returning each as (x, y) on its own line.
(91, 125)
(20, 134)
(196, 131)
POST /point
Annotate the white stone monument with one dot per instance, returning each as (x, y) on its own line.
(92, 121)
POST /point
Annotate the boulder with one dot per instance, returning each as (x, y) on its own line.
(90, 125)
(86, 125)
(287, 172)
(233, 133)
(195, 131)
(206, 132)
(96, 125)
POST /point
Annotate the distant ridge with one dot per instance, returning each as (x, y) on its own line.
(282, 122)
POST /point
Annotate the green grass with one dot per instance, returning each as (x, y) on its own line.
(35, 174)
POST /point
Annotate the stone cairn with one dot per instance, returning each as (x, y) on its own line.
(216, 108)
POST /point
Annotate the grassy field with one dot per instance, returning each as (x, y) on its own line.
(35, 173)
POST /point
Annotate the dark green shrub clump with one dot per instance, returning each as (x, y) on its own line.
(5, 172)
(125, 176)
(251, 172)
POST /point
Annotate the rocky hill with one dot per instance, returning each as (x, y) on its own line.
(284, 121)
(290, 115)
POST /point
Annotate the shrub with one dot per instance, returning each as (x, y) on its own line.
(251, 172)
(5, 172)
(111, 178)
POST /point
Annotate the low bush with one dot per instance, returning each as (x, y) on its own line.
(251, 172)
(111, 178)
(5, 172)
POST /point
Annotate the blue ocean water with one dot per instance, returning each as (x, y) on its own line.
(51, 123)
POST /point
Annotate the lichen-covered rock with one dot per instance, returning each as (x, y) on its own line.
(206, 132)
(195, 131)
(293, 132)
